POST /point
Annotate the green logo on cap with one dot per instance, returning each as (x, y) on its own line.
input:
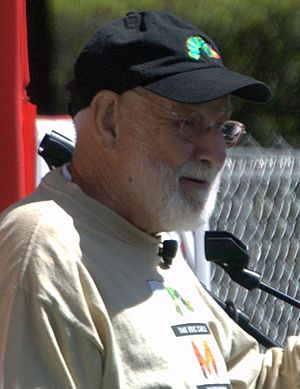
(197, 46)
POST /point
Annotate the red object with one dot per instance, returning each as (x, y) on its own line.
(17, 114)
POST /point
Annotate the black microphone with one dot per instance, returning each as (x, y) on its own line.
(224, 249)
(168, 251)
(56, 149)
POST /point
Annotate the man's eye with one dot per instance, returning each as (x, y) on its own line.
(189, 121)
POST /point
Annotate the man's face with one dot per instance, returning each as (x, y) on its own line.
(171, 182)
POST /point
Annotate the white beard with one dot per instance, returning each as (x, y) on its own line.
(183, 213)
(160, 198)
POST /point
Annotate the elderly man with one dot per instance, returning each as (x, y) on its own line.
(86, 299)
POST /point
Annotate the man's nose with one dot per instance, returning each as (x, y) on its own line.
(211, 148)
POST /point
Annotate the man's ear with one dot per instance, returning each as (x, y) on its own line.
(105, 107)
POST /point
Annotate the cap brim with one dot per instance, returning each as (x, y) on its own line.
(202, 85)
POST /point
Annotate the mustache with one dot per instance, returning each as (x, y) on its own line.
(199, 171)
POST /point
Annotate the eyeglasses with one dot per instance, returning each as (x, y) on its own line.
(191, 128)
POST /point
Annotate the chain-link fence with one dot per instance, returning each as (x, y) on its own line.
(259, 202)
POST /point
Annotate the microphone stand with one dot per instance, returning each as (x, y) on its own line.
(227, 251)
(232, 255)
(251, 280)
(243, 321)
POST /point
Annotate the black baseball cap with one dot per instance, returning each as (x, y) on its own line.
(163, 53)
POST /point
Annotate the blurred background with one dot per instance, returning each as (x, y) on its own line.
(258, 37)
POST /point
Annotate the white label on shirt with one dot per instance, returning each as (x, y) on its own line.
(196, 347)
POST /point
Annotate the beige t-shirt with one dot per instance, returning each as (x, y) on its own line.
(85, 302)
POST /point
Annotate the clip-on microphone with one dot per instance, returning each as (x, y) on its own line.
(168, 251)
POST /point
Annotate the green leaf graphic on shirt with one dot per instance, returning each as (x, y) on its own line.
(179, 300)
